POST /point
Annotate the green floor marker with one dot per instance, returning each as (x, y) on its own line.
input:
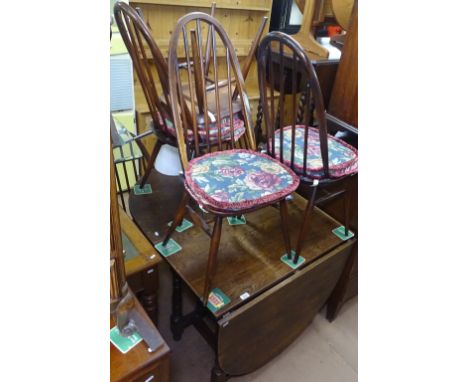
(124, 344)
(169, 249)
(186, 224)
(234, 220)
(340, 232)
(217, 299)
(290, 263)
(137, 190)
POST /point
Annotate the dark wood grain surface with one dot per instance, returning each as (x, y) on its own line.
(267, 325)
(282, 301)
(145, 250)
(153, 211)
(249, 255)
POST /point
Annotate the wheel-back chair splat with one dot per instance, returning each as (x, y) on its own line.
(151, 69)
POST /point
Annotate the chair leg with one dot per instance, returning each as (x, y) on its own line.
(146, 156)
(285, 226)
(150, 163)
(179, 215)
(346, 204)
(304, 224)
(211, 266)
(119, 189)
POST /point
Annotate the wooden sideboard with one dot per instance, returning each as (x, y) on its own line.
(344, 105)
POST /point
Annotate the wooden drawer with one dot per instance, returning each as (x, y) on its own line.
(158, 372)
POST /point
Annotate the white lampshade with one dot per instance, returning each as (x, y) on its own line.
(168, 162)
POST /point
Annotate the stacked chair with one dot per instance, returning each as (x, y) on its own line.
(322, 161)
(153, 79)
(223, 178)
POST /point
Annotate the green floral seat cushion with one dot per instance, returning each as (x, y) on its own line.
(342, 157)
(238, 179)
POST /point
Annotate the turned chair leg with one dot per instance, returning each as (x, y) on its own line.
(285, 226)
(211, 265)
(150, 163)
(304, 225)
(178, 217)
(346, 204)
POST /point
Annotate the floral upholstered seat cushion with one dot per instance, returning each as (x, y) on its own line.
(237, 123)
(238, 179)
(342, 157)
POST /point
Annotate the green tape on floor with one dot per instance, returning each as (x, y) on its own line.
(290, 263)
(169, 249)
(340, 232)
(137, 190)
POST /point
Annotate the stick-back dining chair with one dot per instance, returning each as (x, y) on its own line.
(141, 46)
(220, 177)
(120, 137)
(152, 75)
(321, 160)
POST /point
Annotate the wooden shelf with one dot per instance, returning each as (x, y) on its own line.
(240, 5)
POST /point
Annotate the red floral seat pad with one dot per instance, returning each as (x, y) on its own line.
(237, 123)
(238, 179)
(342, 157)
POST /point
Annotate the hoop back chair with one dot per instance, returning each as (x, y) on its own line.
(121, 137)
(142, 48)
(305, 146)
(223, 178)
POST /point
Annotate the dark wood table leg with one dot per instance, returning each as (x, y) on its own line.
(336, 299)
(218, 375)
(177, 322)
(149, 297)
